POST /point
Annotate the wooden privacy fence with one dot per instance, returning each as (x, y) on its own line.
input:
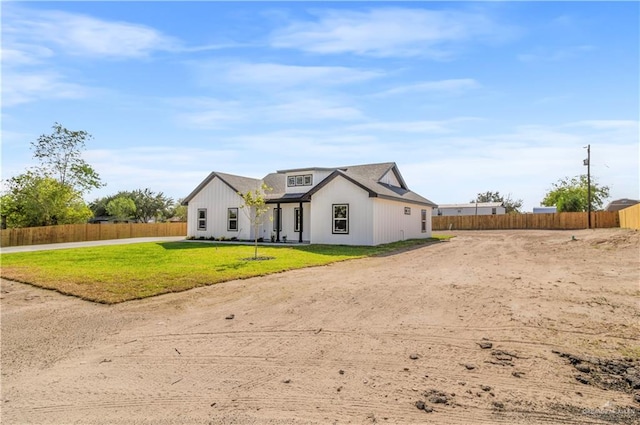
(630, 217)
(557, 221)
(89, 232)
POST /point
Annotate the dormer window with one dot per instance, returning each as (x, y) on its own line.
(300, 180)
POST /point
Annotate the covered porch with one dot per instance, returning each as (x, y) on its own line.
(291, 215)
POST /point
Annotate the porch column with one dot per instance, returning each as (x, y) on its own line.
(278, 221)
(301, 228)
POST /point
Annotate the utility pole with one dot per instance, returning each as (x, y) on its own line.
(587, 162)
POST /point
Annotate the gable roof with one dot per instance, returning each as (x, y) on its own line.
(620, 204)
(366, 176)
(236, 183)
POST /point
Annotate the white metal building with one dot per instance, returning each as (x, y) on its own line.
(356, 205)
(479, 208)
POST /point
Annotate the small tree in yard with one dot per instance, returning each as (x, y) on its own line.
(255, 206)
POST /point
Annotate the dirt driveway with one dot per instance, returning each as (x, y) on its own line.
(492, 327)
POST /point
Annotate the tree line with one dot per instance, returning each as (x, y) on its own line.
(52, 192)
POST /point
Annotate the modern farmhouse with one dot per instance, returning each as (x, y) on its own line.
(356, 205)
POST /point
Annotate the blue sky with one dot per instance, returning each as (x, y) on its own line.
(464, 97)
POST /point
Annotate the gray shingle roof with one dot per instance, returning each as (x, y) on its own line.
(366, 176)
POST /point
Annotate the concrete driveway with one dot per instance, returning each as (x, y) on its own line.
(47, 247)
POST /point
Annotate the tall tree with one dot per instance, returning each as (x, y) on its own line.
(512, 206)
(60, 156)
(51, 192)
(150, 205)
(255, 207)
(571, 195)
(121, 208)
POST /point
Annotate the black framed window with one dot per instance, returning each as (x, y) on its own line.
(202, 219)
(407, 210)
(341, 218)
(300, 180)
(296, 219)
(232, 219)
(423, 221)
(277, 219)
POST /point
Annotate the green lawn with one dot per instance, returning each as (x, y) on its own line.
(117, 273)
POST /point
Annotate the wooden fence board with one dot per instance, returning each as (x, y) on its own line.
(630, 217)
(557, 221)
(88, 232)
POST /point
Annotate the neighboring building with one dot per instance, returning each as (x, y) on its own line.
(545, 210)
(355, 205)
(479, 208)
(620, 204)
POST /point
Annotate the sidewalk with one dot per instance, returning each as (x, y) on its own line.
(48, 247)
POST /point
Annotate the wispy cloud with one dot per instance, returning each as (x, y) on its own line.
(434, 127)
(18, 88)
(387, 32)
(275, 75)
(546, 54)
(202, 113)
(451, 86)
(82, 35)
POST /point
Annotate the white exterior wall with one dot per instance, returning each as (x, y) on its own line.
(341, 191)
(469, 211)
(217, 197)
(391, 224)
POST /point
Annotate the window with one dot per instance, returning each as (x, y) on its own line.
(297, 220)
(407, 210)
(341, 218)
(423, 221)
(277, 219)
(493, 210)
(301, 180)
(202, 219)
(439, 211)
(232, 219)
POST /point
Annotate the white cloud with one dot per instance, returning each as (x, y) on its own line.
(450, 86)
(274, 75)
(20, 88)
(82, 35)
(437, 127)
(386, 32)
(210, 113)
(546, 54)
(312, 110)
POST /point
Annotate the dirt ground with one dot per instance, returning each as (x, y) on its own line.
(512, 327)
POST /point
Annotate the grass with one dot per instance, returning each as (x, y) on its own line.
(117, 273)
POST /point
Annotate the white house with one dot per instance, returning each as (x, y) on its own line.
(480, 208)
(355, 205)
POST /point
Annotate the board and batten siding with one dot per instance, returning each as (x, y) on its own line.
(390, 179)
(341, 191)
(391, 224)
(216, 197)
